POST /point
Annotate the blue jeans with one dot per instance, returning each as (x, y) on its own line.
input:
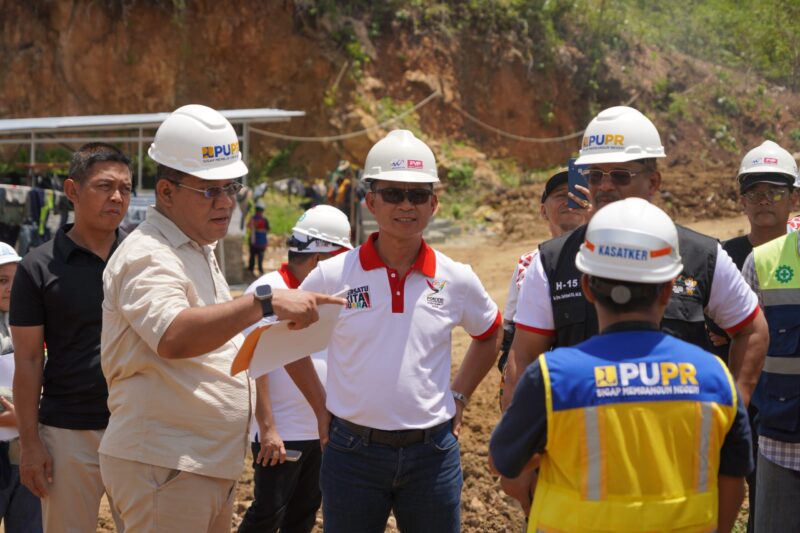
(20, 510)
(777, 498)
(362, 482)
(286, 496)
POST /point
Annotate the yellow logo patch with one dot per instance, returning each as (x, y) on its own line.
(605, 376)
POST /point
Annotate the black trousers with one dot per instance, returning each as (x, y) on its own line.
(256, 259)
(286, 496)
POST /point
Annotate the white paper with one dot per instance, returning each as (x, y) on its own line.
(279, 345)
(6, 379)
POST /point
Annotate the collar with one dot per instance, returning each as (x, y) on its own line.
(370, 260)
(291, 281)
(167, 227)
(65, 246)
(631, 325)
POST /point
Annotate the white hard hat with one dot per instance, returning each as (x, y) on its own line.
(199, 141)
(320, 229)
(401, 157)
(618, 135)
(631, 240)
(260, 205)
(773, 164)
(8, 254)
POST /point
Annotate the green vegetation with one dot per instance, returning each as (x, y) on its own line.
(282, 212)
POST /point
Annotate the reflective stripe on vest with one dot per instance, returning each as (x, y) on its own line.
(777, 266)
(635, 424)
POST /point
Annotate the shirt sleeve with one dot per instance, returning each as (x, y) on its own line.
(513, 294)
(732, 303)
(151, 293)
(480, 316)
(522, 431)
(27, 301)
(534, 309)
(736, 455)
(314, 282)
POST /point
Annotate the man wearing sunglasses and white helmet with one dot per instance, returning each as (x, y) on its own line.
(633, 429)
(621, 147)
(177, 435)
(395, 413)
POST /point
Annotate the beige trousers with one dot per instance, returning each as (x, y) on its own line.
(153, 498)
(73, 500)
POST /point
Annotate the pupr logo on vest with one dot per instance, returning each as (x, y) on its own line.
(435, 297)
(220, 152)
(645, 379)
(358, 298)
(685, 285)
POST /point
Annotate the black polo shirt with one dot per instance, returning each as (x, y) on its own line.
(59, 285)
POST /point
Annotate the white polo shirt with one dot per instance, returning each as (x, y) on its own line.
(731, 304)
(390, 355)
(294, 418)
(523, 265)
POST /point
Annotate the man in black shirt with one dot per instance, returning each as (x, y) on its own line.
(56, 300)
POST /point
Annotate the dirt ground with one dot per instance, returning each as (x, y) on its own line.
(484, 507)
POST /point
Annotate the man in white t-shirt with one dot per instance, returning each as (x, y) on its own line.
(396, 415)
(286, 487)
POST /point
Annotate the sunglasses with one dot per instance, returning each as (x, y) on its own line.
(230, 189)
(392, 195)
(771, 196)
(619, 177)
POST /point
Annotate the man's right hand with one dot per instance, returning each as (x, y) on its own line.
(300, 307)
(36, 468)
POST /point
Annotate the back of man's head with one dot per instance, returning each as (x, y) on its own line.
(630, 252)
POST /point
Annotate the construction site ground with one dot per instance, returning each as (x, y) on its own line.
(485, 508)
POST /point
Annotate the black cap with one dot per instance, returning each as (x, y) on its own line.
(773, 178)
(555, 180)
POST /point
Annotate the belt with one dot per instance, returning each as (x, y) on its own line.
(396, 439)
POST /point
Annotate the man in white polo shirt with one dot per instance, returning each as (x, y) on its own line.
(396, 417)
(284, 435)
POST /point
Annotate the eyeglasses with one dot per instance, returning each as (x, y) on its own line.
(392, 195)
(230, 189)
(771, 196)
(619, 177)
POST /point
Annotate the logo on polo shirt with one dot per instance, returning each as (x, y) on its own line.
(435, 298)
(358, 298)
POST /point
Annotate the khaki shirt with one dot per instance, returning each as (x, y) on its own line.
(187, 414)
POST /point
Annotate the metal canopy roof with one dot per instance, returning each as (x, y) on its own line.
(122, 122)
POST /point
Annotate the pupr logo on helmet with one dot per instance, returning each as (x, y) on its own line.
(220, 152)
(605, 141)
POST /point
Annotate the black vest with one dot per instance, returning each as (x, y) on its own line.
(575, 318)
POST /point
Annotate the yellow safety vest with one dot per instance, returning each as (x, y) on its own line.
(635, 424)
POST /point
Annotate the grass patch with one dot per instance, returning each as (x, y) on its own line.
(282, 211)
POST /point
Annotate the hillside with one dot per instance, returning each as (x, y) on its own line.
(533, 69)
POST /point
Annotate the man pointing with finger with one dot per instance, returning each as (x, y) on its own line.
(179, 422)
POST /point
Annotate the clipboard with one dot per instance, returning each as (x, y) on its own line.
(274, 345)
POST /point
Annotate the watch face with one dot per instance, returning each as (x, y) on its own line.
(263, 291)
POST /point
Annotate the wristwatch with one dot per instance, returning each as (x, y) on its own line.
(263, 294)
(457, 396)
